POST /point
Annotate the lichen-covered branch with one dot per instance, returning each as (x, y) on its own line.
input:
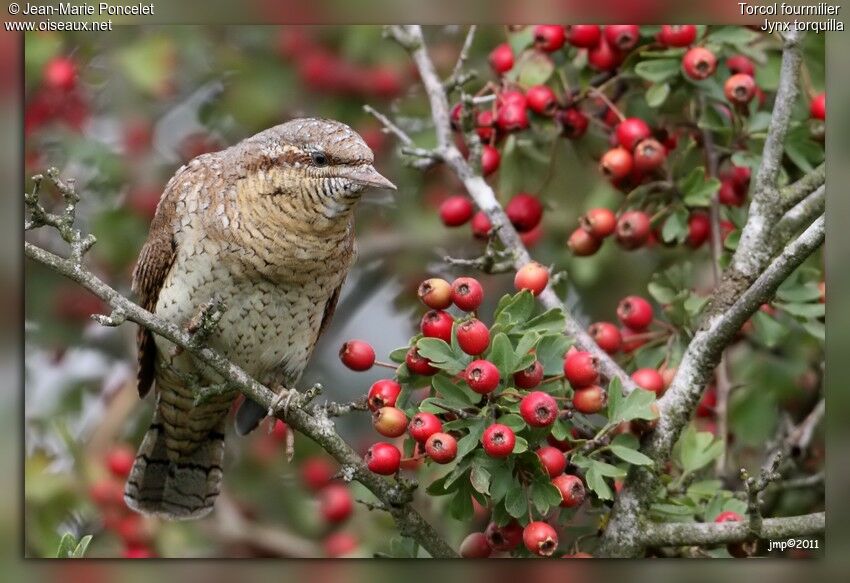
(411, 38)
(622, 537)
(703, 534)
(802, 213)
(315, 424)
(794, 193)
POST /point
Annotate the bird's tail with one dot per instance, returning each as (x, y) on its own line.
(184, 488)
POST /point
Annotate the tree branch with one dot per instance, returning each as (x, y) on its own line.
(704, 534)
(410, 37)
(794, 193)
(801, 214)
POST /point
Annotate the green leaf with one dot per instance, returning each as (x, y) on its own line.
(480, 479)
(768, 330)
(451, 391)
(403, 547)
(658, 70)
(544, 495)
(735, 36)
(657, 94)
(502, 480)
(696, 189)
(441, 355)
(661, 293)
(598, 485)
(799, 292)
(695, 450)
(704, 489)
(520, 446)
(803, 311)
(514, 421)
(816, 329)
(636, 405)
(526, 344)
(532, 68)
(694, 304)
(675, 229)
(631, 456)
(549, 321)
(461, 507)
(82, 547)
(67, 544)
(469, 441)
(516, 309)
(550, 352)
(560, 430)
(515, 502)
(501, 354)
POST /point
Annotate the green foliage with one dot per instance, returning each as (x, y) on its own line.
(71, 548)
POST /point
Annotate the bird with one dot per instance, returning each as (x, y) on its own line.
(264, 228)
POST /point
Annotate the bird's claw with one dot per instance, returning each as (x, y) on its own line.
(283, 402)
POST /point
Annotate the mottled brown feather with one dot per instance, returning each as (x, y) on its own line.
(155, 261)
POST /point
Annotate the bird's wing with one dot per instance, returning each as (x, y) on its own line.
(155, 261)
(330, 308)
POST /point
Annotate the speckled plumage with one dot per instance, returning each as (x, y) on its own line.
(266, 227)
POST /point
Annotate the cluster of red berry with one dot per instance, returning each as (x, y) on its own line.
(323, 70)
(107, 494)
(58, 98)
(336, 503)
(434, 434)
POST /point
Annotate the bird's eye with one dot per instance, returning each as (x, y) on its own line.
(319, 159)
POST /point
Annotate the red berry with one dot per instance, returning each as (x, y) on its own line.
(581, 368)
(538, 409)
(739, 88)
(503, 538)
(455, 116)
(435, 293)
(699, 229)
(524, 212)
(630, 343)
(603, 57)
(599, 222)
(475, 546)
(316, 473)
(511, 97)
(131, 530)
(573, 122)
(649, 379)
(740, 64)
(817, 108)
(60, 73)
(512, 117)
(437, 324)
(540, 538)
(616, 163)
(357, 355)
(502, 58)
(549, 37)
(498, 440)
(120, 461)
(279, 430)
(424, 425)
(533, 277)
(589, 400)
(107, 493)
(553, 459)
(418, 364)
(635, 313)
(728, 516)
(530, 377)
(740, 177)
(624, 37)
(541, 99)
(339, 544)
(532, 237)
(582, 243)
(649, 155)
(441, 447)
(336, 503)
(571, 489)
(481, 225)
(633, 229)
(456, 210)
(583, 35)
(606, 335)
(467, 293)
(473, 337)
(482, 376)
(389, 421)
(677, 35)
(699, 63)
(490, 159)
(383, 393)
(484, 125)
(630, 131)
(730, 195)
(383, 458)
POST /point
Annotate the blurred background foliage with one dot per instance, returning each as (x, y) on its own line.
(148, 99)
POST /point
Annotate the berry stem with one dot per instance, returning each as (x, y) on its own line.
(608, 102)
(386, 364)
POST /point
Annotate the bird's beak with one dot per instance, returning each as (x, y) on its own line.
(368, 176)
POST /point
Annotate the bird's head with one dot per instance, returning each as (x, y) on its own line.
(320, 164)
